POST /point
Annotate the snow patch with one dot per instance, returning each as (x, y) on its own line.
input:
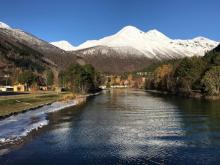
(4, 26)
(65, 45)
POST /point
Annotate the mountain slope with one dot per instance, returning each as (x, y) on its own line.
(131, 49)
(213, 56)
(108, 60)
(4, 26)
(49, 53)
(65, 45)
(14, 55)
(153, 44)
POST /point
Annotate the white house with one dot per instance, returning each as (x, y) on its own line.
(6, 88)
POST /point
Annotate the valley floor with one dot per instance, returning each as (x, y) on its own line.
(12, 104)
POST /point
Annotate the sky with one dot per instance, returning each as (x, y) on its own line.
(79, 20)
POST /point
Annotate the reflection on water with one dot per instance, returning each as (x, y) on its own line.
(14, 128)
(127, 127)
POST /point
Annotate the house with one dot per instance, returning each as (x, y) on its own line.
(6, 89)
(19, 88)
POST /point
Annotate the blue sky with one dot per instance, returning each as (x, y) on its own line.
(81, 20)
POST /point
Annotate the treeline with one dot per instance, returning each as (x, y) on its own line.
(80, 79)
(76, 78)
(188, 76)
(32, 79)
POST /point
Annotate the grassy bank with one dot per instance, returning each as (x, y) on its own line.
(18, 103)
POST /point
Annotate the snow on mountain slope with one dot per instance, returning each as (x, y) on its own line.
(65, 45)
(28, 39)
(153, 44)
(196, 46)
(4, 26)
(50, 53)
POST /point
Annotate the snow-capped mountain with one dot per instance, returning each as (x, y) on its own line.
(65, 45)
(128, 50)
(152, 44)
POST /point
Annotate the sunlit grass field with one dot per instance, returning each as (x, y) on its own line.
(18, 103)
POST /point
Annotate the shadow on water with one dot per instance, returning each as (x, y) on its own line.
(54, 118)
(126, 127)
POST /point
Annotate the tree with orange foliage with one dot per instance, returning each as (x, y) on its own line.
(162, 77)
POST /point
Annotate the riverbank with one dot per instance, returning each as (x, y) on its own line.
(16, 127)
(194, 94)
(15, 104)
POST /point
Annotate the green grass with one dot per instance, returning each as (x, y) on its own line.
(19, 103)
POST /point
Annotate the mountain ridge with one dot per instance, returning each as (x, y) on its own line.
(20, 50)
(54, 55)
(130, 49)
(153, 41)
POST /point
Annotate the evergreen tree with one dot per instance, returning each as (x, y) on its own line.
(211, 81)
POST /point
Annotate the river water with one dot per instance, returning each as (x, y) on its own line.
(124, 127)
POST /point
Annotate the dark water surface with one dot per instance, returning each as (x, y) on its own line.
(125, 127)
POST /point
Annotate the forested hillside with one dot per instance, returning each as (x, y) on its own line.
(188, 76)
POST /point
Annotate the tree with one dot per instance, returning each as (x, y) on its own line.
(162, 76)
(213, 56)
(189, 72)
(211, 81)
(27, 77)
(73, 76)
(89, 78)
(49, 78)
(82, 79)
(63, 78)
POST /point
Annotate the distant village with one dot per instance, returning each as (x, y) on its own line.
(135, 80)
(7, 85)
(20, 88)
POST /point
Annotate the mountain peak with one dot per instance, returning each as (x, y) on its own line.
(155, 34)
(4, 26)
(65, 45)
(154, 31)
(129, 29)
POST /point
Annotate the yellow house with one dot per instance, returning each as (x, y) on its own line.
(19, 88)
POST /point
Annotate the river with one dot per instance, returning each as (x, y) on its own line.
(124, 127)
